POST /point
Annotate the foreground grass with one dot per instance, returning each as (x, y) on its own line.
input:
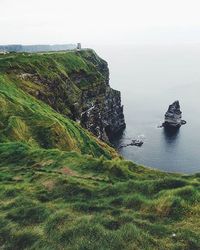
(50, 199)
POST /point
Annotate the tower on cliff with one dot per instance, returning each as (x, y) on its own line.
(78, 46)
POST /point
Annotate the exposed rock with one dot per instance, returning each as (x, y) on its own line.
(173, 116)
(100, 110)
(82, 94)
(135, 142)
(104, 114)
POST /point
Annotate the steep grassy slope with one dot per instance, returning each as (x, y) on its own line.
(75, 84)
(23, 118)
(50, 199)
(61, 188)
(52, 77)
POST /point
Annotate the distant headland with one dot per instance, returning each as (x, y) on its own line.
(38, 48)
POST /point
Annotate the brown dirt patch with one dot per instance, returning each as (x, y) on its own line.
(42, 164)
(49, 184)
(17, 178)
(68, 171)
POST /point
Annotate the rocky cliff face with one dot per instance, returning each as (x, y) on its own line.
(100, 110)
(76, 84)
(103, 113)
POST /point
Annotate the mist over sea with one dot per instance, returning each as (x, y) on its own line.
(150, 78)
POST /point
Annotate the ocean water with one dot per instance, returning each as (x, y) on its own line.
(150, 78)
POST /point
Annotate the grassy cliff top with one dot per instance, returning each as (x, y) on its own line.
(53, 64)
(52, 76)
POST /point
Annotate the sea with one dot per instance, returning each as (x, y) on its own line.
(150, 78)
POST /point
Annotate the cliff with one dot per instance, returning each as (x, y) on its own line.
(27, 120)
(75, 84)
(61, 187)
(36, 48)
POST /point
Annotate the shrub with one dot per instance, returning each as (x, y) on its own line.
(11, 192)
(28, 215)
(189, 194)
(89, 235)
(135, 201)
(90, 207)
(190, 239)
(168, 183)
(135, 238)
(23, 240)
(5, 231)
(56, 223)
(172, 207)
(117, 201)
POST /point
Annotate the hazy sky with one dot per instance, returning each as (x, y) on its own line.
(99, 21)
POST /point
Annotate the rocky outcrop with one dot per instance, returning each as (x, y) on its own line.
(103, 113)
(173, 116)
(77, 86)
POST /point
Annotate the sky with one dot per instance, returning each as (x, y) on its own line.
(99, 21)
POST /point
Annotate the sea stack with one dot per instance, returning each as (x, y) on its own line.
(173, 116)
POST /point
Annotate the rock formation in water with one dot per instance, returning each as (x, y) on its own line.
(173, 116)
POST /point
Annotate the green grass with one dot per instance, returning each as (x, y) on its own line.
(52, 76)
(61, 188)
(51, 199)
(25, 119)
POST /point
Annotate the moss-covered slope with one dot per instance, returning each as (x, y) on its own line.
(51, 76)
(76, 84)
(23, 118)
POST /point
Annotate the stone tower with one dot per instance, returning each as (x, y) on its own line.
(78, 46)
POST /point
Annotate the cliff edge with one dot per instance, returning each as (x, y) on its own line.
(61, 187)
(74, 83)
